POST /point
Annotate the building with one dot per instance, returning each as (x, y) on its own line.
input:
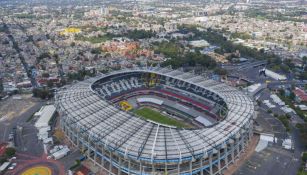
(274, 75)
(122, 143)
(45, 114)
(170, 27)
(300, 95)
(199, 43)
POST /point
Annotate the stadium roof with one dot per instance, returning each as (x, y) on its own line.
(136, 138)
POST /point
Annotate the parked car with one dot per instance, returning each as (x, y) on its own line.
(12, 166)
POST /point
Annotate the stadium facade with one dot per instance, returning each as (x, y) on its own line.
(122, 143)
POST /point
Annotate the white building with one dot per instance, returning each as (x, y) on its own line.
(199, 43)
(45, 114)
(170, 27)
(274, 75)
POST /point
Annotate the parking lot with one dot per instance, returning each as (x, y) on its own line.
(14, 112)
(271, 161)
(267, 123)
(274, 159)
(16, 127)
(265, 95)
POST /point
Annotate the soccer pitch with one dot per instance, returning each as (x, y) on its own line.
(153, 115)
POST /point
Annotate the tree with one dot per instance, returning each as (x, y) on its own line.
(140, 34)
(62, 82)
(50, 83)
(42, 93)
(281, 92)
(45, 75)
(59, 135)
(1, 85)
(292, 96)
(96, 51)
(304, 157)
(220, 71)
(10, 152)
(303, 75)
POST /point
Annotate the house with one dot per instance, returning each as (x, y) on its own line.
(300, 95)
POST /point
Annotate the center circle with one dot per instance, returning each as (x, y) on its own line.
(37, 170)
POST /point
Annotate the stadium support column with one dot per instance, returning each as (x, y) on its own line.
(232, 151)
(226, 155)
(89, 150)
(238, 140)
(251, 130)
(210, 164)
(62, 123)
(83, 146)
(201, 166)
(219, 161)
(95, 155)
(102, 159)
(78, 131)
(129, 166)
(110, 166)
(190, 167)
(71, 137)
(244, 141)
(119, 170)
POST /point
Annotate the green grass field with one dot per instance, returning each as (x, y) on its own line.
(153, 115)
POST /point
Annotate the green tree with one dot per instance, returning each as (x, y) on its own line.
(292, 96)
(50, 83)
(45, 75)
(1, 85)
(305, 60)
(281, 92)
(304, 157)
(72, 44)
(42, 93)
(10, 152)
(220, 71)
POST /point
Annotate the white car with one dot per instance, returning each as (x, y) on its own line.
(13, 158)
(12, 166)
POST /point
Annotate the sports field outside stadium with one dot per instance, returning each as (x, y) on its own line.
(148, 113)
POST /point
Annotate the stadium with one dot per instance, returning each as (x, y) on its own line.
(156, 121)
